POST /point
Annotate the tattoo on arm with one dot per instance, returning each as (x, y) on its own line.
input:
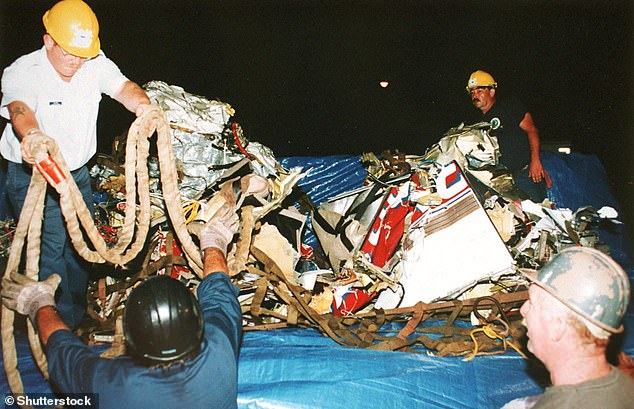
(17, 111)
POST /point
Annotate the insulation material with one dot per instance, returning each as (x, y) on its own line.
(471, 146)
(191, 113)
(205, 143)
(449, 247)
(270, 241)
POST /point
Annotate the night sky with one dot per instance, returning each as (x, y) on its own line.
(303, 75)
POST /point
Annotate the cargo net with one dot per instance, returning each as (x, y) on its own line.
(423, 257)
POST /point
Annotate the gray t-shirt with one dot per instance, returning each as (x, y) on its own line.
(615, 391)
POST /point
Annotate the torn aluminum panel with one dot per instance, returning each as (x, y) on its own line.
(191, 113)
(448, 248)
(342, 223)
(205, 144)
(471, 146)
(557, 229)
(201, 162)
(477, 153)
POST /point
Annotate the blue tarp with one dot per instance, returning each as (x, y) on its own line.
(300, 368)
(580, 180)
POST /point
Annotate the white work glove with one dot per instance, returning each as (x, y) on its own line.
(27, 143)
(219, 230)
(142, 109)
(26, 296)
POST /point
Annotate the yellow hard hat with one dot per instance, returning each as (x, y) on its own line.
(74, 26)
(480, 79)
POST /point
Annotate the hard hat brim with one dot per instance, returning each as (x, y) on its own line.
(532, 275)
(529, 273)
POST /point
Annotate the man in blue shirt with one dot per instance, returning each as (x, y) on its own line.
(181, 352)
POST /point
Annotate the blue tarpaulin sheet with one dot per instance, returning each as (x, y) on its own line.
(580, 180)
(301, 368)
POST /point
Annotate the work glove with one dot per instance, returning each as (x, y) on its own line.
(219, 230)
(142, 109)
(26, 296)
(28, 142)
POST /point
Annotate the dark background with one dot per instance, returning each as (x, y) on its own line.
(303, 75)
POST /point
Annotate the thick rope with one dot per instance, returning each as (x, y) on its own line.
(243, 247)
(76, 213)
(171, 195)
(31, 212)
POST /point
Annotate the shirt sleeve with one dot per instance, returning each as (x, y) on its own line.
(72, 365)
(517, 109)
(17, 86)
(221, 310)
(111, 79)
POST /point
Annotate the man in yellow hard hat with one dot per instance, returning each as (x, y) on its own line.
(516, 133)
(56, 91)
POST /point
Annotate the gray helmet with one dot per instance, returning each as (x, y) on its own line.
(589, 282)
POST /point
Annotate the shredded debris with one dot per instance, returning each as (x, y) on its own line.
(424, 254)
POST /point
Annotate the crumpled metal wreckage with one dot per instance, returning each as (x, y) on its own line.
(205, 144)
(437, 236)
(7, 231)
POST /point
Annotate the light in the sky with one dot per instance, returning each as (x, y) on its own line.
(384, 84)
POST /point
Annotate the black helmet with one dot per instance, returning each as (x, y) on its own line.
(162, 321)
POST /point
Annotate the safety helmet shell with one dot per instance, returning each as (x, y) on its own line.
(480, 79)
(162, 321)
(589, 282)
(74, 27)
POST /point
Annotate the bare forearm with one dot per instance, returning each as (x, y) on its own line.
(22, 118)
(528, 126)
(132, 96)
(48, 322)
(536, 170)
(533, 143)
(214, 261)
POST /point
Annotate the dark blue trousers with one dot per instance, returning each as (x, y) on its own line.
(57, 253)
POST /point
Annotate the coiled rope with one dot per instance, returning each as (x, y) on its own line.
(492, 332)
(52, 167)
